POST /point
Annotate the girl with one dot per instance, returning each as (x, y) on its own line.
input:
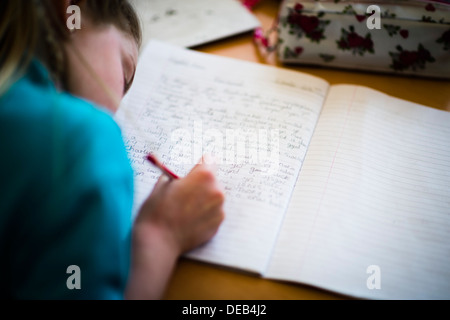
(65, 180)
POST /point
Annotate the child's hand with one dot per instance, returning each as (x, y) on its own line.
(186, 212)
(178, 216)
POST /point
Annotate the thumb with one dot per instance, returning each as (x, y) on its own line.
(207, 162)
(210, 162)
(162, 182)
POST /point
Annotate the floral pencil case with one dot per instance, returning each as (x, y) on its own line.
(405, 37)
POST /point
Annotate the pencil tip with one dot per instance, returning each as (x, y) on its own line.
(151, 158)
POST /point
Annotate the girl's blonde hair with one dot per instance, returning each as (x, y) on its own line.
(33, 29)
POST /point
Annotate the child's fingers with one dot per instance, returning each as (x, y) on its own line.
(206, 162)
(162, 183)
(210, 162)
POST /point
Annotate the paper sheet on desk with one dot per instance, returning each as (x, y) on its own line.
(194, 22)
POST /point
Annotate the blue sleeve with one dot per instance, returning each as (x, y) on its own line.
(79, 213)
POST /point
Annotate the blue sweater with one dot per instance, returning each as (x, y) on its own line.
(66, 191)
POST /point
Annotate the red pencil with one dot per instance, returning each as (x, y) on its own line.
(161, 166)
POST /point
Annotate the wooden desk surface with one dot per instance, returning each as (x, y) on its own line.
(196, 280)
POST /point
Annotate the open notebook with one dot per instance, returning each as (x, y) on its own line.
(340, 187)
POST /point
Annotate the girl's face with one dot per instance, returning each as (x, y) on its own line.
(111, 54)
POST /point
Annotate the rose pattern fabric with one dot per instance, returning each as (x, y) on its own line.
(404, 59)
(315, 34)
(357, 44)
(312, 27)
(445, 40)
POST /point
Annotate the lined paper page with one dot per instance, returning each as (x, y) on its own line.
(194, 22)
(372, 199)
(256, 121)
